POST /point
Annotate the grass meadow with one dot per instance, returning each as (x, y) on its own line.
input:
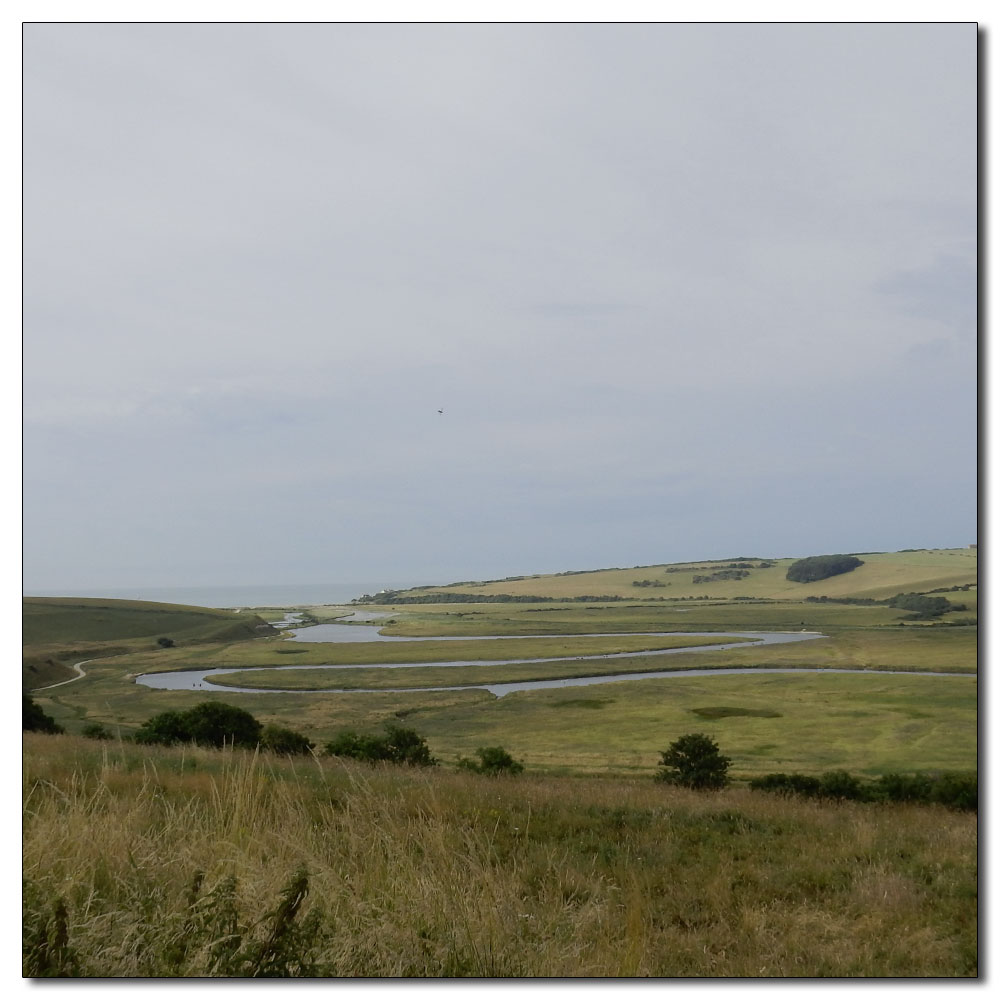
(159, 862)
(860, 721)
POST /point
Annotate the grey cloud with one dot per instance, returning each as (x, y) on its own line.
(654, 274)
(944, 291)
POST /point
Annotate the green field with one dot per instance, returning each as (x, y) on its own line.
(606, 728)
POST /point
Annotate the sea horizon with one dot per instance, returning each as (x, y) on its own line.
(237, 595)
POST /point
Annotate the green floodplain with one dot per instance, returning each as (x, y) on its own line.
(186, 861)
(865, 721)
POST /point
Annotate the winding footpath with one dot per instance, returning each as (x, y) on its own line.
(80, 673)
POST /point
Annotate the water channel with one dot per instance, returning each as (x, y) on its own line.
(199, 680)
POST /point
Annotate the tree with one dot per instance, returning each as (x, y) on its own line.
(166, 728)
(492, 760)
(406, 746)
(212, 723)
(34, 719)
(694, 761)
(821, 567)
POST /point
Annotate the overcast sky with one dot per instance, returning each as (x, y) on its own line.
(682, 291)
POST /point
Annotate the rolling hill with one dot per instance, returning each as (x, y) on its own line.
(882, 575)
(56, 631)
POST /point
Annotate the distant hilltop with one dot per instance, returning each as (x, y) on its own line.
(866, 575)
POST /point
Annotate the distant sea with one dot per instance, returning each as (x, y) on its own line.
(241, 596)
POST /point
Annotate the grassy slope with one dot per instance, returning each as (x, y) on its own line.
(57, 631)
(882, 575)
(443, 874)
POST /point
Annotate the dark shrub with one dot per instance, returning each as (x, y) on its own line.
(787, 784)
(903, 788)
(840, 785)
(492, 760)
(95, 731)
(958, 790)
(165, 642)
(167, 727)
(694, 761)
(820, 567)
(211, 724)
(398, 746)
(284, 741)
(404, 746)
(349, 744)
(922, 606)
(34, 719)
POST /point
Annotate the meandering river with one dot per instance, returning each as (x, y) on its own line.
(200, 679)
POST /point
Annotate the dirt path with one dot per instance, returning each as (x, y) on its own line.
(80, 672)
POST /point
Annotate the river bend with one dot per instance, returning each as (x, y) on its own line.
(200, 679)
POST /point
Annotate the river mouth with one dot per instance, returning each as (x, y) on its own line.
(200, 679)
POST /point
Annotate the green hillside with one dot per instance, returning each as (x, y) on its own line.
(57, 631)
(882, 574)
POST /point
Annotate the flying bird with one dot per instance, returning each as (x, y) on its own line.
(440, 411)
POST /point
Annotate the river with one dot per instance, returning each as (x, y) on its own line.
(199, 680)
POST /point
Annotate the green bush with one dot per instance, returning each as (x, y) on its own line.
(358, 747)
(904, 787)
(398, 746)
(956, 790)
(165, 728)
(95, 731)
(212, 724)
(492, 760)
(694, 761)
(922, 607)
(277, 739)
(840, 785)
(787, 784)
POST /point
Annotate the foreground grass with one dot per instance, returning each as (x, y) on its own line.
(152, 862)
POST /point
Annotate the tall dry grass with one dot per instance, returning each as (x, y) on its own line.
(148, 862)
